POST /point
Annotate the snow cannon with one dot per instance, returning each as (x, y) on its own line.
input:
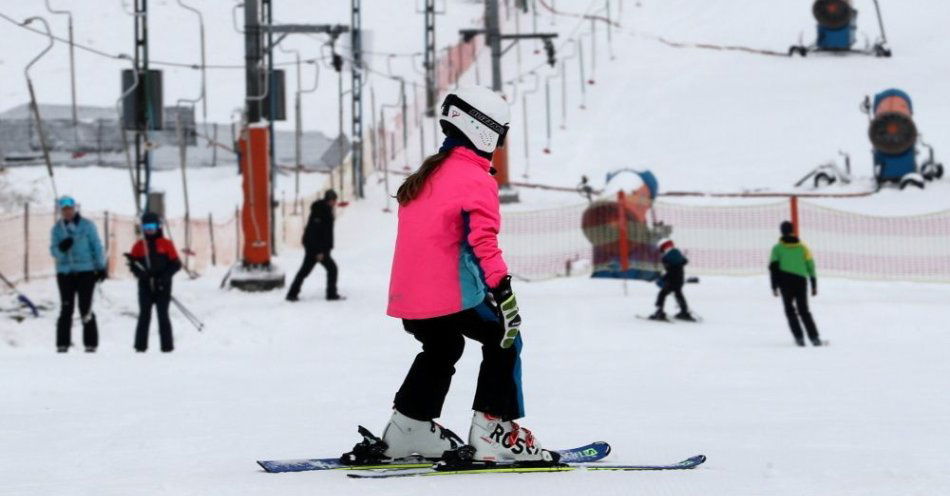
(837, 30)
(894, 138)
(836, 24)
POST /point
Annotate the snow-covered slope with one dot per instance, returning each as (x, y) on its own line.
(702, 120)
(725, 121)
(269, 379)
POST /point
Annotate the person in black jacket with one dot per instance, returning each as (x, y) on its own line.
(317, 243)
(154, 261)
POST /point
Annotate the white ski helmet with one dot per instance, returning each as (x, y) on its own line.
(480, 114)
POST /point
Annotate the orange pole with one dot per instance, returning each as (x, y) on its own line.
(499, 161)
(255, 216)
(793, 205)
(622, 232)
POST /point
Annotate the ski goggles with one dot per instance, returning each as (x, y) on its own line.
(151, 226)
(67, 202)
(454, 101)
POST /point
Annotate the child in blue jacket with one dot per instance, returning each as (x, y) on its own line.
(672, 281)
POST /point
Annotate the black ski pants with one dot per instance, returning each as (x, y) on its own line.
(161, 300)
(72, 286)
(677, 291)
(498, 392)
(794, 291)
(309, 262)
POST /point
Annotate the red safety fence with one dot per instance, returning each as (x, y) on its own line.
(541, 244)
(737, 240)
(26, 245)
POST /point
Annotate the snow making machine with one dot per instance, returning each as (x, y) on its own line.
(894, 139)
(837, 30)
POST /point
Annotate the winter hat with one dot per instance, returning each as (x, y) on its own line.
(330, 195)
(787, 228)
(664, 244)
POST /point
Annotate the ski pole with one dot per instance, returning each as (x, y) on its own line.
(21, 297)
(192, 318)
(880, 22)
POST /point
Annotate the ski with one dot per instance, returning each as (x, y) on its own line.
(687, 464)
(585, 454)
(668, 320)
(21, 297)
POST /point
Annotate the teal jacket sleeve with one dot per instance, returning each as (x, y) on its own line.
(56, 235)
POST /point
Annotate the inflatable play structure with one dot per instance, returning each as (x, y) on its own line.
(618, 226)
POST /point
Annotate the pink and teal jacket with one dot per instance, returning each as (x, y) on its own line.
(447, 251)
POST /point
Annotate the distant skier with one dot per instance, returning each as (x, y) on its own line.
(790, 266)
(75, 244)
(448, 282)
(317, 243)
(154, 261)
(672, 282)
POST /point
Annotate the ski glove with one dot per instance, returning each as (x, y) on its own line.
(134, 266)
(508, 311)
(65, 244)
(101, 275)
(814, 286)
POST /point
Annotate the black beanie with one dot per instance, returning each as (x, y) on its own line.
(787, 228)
(150, 218)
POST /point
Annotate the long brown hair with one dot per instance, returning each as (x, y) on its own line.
(412, 186)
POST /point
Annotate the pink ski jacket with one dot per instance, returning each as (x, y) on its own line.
(447, 242)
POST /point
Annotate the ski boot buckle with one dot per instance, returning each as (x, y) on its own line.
(370, 451)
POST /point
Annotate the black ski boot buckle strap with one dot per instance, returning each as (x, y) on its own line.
(370, 451)
(463, 458)
(445, 433)
(456, 459)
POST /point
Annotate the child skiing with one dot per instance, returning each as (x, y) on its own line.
(790, 265)
(671, 282)
(448, 282)
(154, 261)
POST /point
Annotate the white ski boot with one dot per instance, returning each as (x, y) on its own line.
(497, 440)
(405, 437)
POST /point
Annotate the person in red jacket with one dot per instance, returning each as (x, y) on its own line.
(154, 261)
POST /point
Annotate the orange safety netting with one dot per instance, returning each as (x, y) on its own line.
(541, 244)
(737, 239)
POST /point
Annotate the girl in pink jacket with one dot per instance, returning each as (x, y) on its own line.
(449, 281)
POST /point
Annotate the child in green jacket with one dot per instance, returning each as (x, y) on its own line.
(792, 266)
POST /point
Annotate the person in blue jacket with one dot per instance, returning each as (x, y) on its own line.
(75, 244)
(672, 281)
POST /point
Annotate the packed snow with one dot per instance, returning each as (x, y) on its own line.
(266, 379)
(270, 379)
